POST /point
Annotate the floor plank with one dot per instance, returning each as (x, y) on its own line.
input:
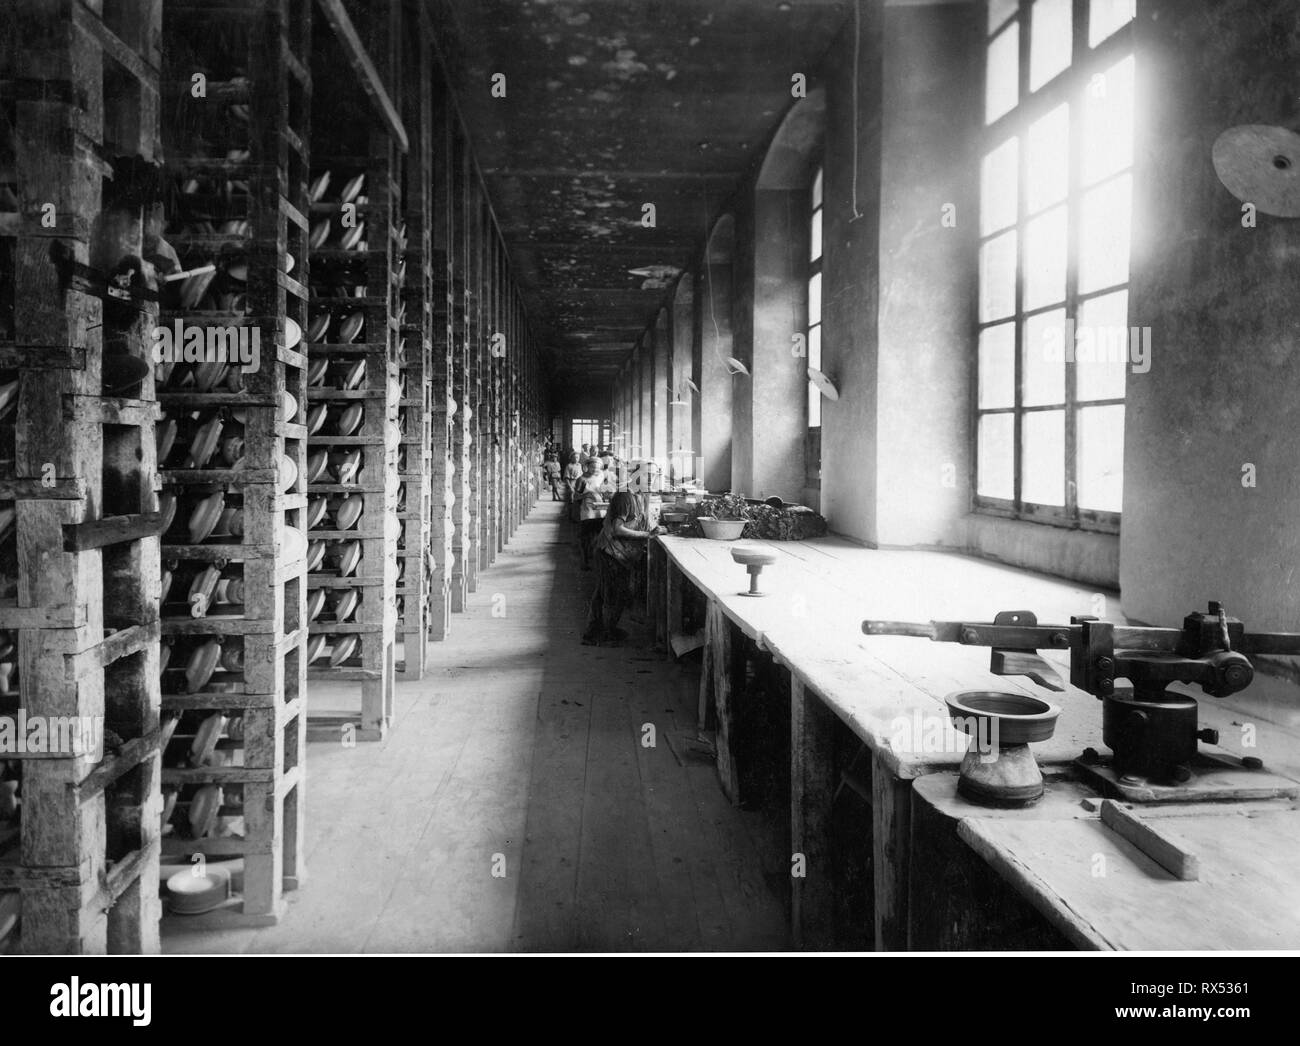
(522, 742)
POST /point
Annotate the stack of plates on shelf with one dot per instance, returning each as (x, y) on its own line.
(202, 663)
(351, 327)
(351, 237)
(316, 418)
(355, 376)
(316, 372)
(352, 189)
(288, 472)
(315, 555)
(316, 464)
(348, 511)
(204, 443)
(346, 465)
(316, 331)
(164, 438)
(205, 740)
(351, 419)
(232, 449)
(319, 185)
(230, 591)
(294, 543)
(193, 892)
(203, 519)
(344, 648)
(347, 555)
(345, 604)
(167, 506)
(316, 507)
(315, 603)
(315, 647)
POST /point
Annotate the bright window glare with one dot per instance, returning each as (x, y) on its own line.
(1100, 439)
(1045, 259)
(998, 277)
(1048, 162)
(998, 187)
(995, 473)
(1002, 84)
(814, 393)
(1044, 362)
(1043, 451)
(1108, 122)
(997, 367)
(1049, 41)
(1104, 234)
(1108, 15)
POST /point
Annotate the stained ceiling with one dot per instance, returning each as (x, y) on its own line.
(611, 105)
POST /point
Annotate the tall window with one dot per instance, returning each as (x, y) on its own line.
(585, 430)
(1055, 345)
(815, 299)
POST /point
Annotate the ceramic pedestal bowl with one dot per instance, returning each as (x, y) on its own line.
(998, 769)
(754, 559)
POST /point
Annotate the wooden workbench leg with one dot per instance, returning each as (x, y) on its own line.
(672, 603)
(891, 853)
(812, 792)
(723, 648)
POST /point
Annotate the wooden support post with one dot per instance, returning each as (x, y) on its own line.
(721, 684)
(812, 792)
(672, 603)
(891, 828)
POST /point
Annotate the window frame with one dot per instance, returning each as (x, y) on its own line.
(1066, 87)
(814, 267)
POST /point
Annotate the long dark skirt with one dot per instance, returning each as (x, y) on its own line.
(608, 601)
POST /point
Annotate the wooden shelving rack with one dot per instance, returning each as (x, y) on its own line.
(463, 375)
(441, 385)
(81, 561)
(238, 157)
(415, 552)
(362, 278)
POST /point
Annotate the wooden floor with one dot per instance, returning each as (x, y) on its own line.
(525, 754)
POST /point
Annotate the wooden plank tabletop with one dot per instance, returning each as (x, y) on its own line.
(820, 591)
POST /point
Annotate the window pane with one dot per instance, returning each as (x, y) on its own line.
(815, 236)
(1104, 234)
(1048, 162)
(817, 189)
(1044, 359)
(1108, 122)
(1101, 347)
(1045, 259)
(1105, 16)
(1100, 435)
(814, 299)
(998, 277)
(814, 393)
(1049, 42)
(1043, 457)
(1002, 81)
(997, 367)
(996, 459)
(1000, 11)
(998, 183)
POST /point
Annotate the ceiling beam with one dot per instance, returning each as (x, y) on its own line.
(371, 82)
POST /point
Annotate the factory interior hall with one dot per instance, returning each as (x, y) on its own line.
(649, 476)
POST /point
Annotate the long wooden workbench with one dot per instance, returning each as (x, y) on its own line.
(888, 691)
